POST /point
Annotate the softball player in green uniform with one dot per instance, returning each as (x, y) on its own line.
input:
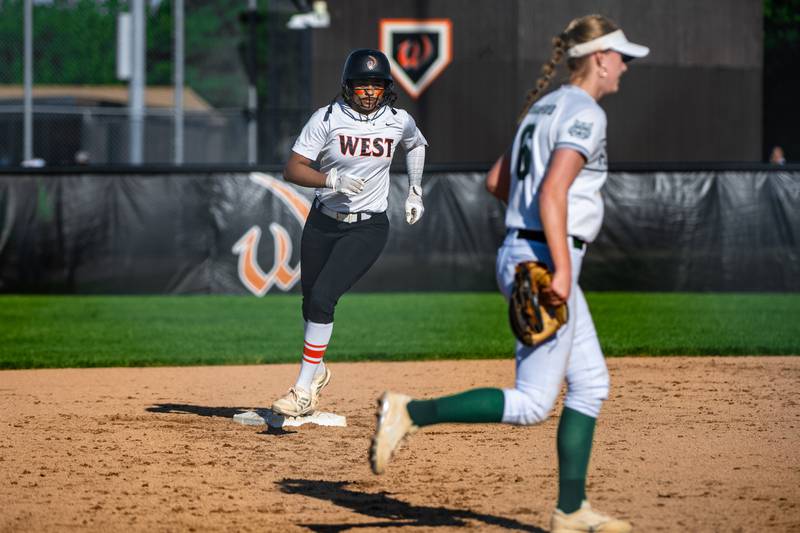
(551, 180)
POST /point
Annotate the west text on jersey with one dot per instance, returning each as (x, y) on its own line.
(366, 147)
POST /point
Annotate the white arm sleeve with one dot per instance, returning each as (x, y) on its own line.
(415, 162)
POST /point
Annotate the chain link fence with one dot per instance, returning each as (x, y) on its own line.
(92, 135)
(80, 109)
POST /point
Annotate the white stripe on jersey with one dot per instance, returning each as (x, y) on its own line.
(566, 118)
(357, 147)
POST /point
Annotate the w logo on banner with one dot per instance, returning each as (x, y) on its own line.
(281, 274)
(418, 50)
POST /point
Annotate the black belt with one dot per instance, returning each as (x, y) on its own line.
(538, 236)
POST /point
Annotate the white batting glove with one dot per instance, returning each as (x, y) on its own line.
(347, 185)
(414, 207)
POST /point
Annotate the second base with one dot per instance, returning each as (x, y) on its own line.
(266, 416)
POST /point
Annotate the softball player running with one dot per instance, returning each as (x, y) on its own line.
(355, 138)
(551, 180)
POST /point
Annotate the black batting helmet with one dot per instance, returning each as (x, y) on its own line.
(366, 64)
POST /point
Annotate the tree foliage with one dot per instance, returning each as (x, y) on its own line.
(75, 43)
(781, 38)
(781, 24)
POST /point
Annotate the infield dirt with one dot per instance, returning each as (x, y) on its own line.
(682, 445)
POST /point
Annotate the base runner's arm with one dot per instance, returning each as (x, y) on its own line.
(298, 171)
(415, 162)
(498, 180)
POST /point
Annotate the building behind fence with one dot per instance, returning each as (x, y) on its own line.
(695, 98)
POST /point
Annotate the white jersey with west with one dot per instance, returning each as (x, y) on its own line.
(566, 118)
(357, 145)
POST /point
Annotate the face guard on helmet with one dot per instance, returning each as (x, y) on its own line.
(361, 67)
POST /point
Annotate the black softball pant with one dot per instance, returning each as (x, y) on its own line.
(334, 256)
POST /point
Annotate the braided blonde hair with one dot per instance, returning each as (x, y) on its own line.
(579, 30)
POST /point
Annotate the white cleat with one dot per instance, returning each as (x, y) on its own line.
(296, 402)
(585, 520)
(394, 424)
(320, 381)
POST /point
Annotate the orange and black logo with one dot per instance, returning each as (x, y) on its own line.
(281, 275)
(418, 51)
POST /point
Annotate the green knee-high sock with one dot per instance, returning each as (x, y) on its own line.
(575, 433)
(473, 406)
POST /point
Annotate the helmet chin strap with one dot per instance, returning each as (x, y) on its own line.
(365, 111)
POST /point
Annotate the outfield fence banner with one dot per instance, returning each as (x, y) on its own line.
(239, 233)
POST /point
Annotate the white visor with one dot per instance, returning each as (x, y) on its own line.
(615, 40)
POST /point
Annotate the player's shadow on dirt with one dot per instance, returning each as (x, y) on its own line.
(221, 412)
(199, 410)
(393, 512)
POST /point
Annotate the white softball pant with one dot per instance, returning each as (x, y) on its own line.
(574, 353)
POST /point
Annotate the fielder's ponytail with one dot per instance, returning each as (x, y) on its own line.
(579, 30)
(548, 70)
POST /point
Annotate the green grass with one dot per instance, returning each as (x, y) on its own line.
(81, 331)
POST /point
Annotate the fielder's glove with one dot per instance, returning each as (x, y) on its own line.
(347, 185)
(533, 320)
(414, 208)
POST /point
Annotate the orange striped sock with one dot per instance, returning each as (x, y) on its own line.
(313, 353)
(317, 337)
